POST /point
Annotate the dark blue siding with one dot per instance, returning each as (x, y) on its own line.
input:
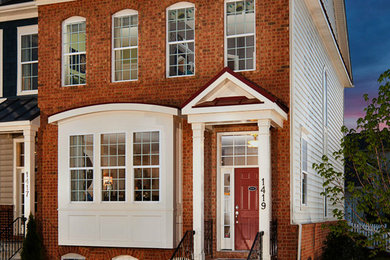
(10, 46)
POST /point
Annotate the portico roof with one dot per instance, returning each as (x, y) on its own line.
(231, 98)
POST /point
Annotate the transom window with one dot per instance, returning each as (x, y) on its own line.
(240, 35)
(74, 51)
(125, 45)
(81, 167)
(146, 162)
(181, 41)
(113, 167)
(236, 150)
(28, 59)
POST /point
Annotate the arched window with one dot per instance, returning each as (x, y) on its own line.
(74, 55)
(72, 256)
(240, 40)
(181, 39)
(125, 45)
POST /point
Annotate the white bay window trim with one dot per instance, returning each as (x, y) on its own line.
(72, 256)
(178, 6)
(23, 31)
(65, 54)
(123, 13)
(118, 224)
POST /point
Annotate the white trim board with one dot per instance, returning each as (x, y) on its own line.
(112, 107)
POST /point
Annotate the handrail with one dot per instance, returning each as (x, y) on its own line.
(185, 249)
(11, 238)
(257, 247)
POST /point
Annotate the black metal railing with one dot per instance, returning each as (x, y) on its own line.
(257, 247)
(208, 238)
(274, 240)
(185, 249)
(12, 238)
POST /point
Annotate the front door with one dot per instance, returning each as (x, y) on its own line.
(246, 207)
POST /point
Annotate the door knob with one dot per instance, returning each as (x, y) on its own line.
(236, 206)
(237, 213)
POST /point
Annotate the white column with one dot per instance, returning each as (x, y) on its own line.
(265, 212)
(198, 188)
(29, 172)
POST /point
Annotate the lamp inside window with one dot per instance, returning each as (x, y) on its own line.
(107, 182)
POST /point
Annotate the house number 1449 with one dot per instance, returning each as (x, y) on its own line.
(263, 204)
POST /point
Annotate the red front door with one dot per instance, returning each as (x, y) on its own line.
(246, 207)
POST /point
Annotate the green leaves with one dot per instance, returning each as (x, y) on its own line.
(365, 154)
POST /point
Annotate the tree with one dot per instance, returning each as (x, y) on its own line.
(365, 154)
(32, 244)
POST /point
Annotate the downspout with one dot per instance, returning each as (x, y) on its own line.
(299, 241)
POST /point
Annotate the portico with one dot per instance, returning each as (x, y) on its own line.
(230, 99)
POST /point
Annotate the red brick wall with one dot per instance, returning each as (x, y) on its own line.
(313, 238)
(272, 64)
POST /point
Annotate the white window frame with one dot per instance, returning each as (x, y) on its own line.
(101, 168)
(73, 19)
(24, 30)
(176, 6)
(125, 12)
(325, 126)
(304, 173)
(242, 35)
(93, 168)
(1, 64)
(72, 256)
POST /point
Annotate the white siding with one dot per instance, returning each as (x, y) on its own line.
(309, 59)
(6, 169)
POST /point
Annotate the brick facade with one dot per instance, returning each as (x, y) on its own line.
(272, 73)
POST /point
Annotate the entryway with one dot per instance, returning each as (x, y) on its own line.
(239, 182)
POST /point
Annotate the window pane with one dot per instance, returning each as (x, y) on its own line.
(125, 35)
(235, 150)
(181, 56)
(75, 57)
(240, 20)
(146, 153)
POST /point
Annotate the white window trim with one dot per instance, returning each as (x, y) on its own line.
(302, 172)
(72, 256)
(179, 5)
(82, 168)
(125, 12)
(73, 19)
(225, 37)
(24, 30)
(125, 167)
(1, 64)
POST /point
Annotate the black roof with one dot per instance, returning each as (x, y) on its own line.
(19, 109)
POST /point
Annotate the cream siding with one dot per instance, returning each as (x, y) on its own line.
(6, 169)
(309, 59)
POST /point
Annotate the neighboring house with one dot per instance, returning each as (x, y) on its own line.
(19, 112)
(158, 117)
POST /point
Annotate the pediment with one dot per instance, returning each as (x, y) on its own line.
(229, 92)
